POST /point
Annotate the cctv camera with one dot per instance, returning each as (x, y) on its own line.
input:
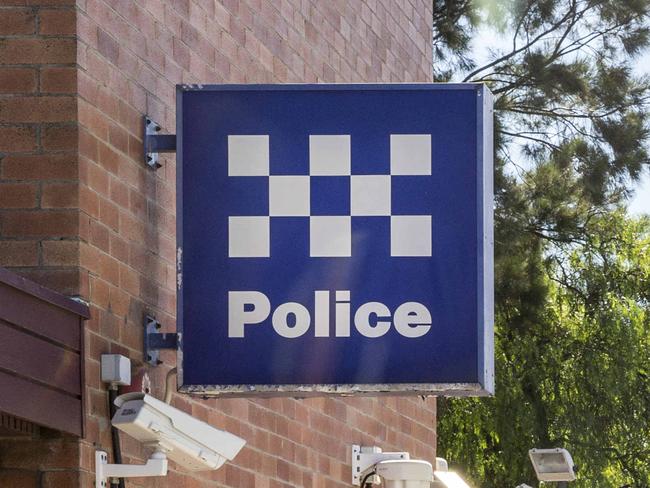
(189, 442)
(405, 474)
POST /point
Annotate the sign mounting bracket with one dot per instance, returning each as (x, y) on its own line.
(155, 341)
(155, 143)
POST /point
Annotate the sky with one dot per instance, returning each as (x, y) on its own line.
(487, 38)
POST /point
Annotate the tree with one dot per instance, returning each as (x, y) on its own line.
(572, 279)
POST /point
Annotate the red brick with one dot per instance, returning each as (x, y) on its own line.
(60, 195)
(98, 179)
(18, 253)
(119, 248)
(37, 50)
(136, 148)
(39, 3)
(18, 21)
(88, 145)
(59, 223)
(119, 138)
(109, 214)
(40, 166)
(57, 22)
(108, 158)
(38, 109)
(109, 269)
(93, 120)
(107, 46)
(19, 478)
(181, 54)
(99, 292)
(99, 235)
(65, 281)
(60, 137)
(60, 253)
(88, 201)
(58, 80)
(17, 80)
(119, 302)
(17, 139)
(17, 195)
(119, 193)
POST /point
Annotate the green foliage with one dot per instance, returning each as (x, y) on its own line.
(572, 270)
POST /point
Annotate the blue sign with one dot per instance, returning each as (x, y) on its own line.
(335, 239)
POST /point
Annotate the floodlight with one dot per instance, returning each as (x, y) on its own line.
(552, 464)
(448, 479)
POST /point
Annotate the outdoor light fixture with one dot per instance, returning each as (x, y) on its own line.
(552, 464)
(448, 479)
(397, 470)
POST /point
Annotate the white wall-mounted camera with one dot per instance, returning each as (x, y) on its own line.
(172, 434)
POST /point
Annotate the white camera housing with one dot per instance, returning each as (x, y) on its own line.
(189, 442)
(552, 464)
(405, 473)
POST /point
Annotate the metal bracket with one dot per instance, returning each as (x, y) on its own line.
(364, 458)
(156, 466)
(154, 341)
(155, 143)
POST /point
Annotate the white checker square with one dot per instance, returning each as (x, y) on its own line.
(248, 155)
(370, 195)
(329, 155)
(410, 154)
(289, 196)
(249, 237)
(330, 236)
(410, 235)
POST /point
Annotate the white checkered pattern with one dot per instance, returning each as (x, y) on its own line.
(330, 235)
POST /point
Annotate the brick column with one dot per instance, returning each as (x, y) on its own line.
(81, 213)
(39, 216)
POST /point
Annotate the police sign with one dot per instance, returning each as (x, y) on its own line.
(335, 239)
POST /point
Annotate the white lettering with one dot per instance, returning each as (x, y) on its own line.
(342, 314)
(362, 319)
(292, 319)
(412, 319)
(281, 320)
(238, 316)
(322, 313)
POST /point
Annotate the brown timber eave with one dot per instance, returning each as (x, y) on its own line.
(41, 354)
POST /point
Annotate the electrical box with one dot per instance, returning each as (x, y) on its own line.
(116, 369)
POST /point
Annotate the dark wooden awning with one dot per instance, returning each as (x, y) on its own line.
(41, 354)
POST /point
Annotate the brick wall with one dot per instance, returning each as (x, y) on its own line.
(82, 213)
(38, 141)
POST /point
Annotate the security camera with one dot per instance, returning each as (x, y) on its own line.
(405, 473)
(171, 433)
(189, 442)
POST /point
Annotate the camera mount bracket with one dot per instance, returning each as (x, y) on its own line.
(156, 466)
(364, 458)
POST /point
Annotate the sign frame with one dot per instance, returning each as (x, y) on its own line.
(485, 251)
